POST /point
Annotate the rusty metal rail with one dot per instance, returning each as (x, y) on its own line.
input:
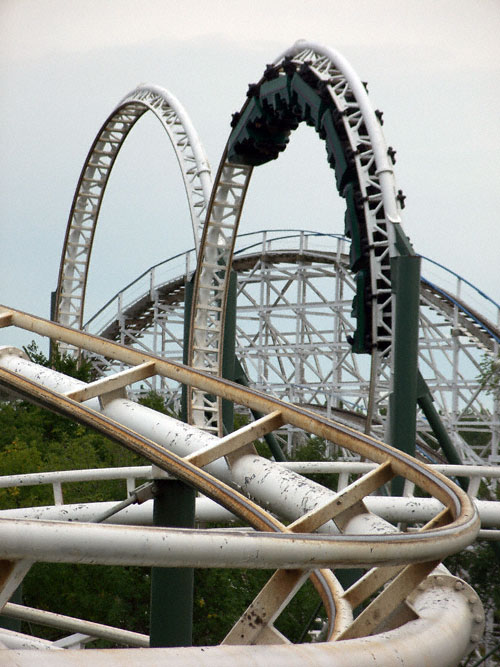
(292, 543)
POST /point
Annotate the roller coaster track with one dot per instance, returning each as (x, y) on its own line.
(140, 314)
(273, 267)
(316, 85)
(403, 559)
(406, 599)
(306, 76)
(195, 170)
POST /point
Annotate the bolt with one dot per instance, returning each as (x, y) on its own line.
(475, 638)
(478, 618)
(459, 585)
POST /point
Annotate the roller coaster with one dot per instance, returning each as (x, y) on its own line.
(306, 334)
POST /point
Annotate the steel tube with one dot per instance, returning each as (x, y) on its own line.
(421, 547)
(439, 638)
(43, 617)
(385, 169)
(302, 418)
(406, 510)
(134, 515)
(302, 467)
(61, 542)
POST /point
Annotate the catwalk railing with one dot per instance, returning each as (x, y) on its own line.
(315, 365)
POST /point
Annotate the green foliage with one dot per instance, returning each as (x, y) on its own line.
(316, 449)
(479, 566)
(221, 597)
(117, 596)
(77, 367)
(33, 440)
(156, 402)
(489, 375)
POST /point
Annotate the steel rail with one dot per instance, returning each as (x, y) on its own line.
(438, 637)
(407, 509)
(62, 622)
(274, 544)
(375, 186)
(431, 546)
(85, 209)
(492, 332)
(241, 262)
(157, 309)
(287, 235)
(304, 467)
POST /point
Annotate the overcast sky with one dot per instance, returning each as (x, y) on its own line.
(432, 66)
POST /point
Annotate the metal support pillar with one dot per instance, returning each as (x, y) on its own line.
(188, 301)
(171, 622)
(426, 404)
(405, 271)
(228, 350)
(171, 608)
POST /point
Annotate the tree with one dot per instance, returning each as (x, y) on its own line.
(34, 440)
(489, 375)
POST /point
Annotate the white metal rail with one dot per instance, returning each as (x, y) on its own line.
(313, 364)
(355, 536)
(381, 205)
(195, 170)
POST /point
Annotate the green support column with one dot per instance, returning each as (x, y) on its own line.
(188, 300)
(171, 610)
(426, 404)
(228, 350)
(405, 272)
(171, 621)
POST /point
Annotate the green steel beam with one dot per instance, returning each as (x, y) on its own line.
(228, 350)
(405, 272)
(171, 609)
(426, 404)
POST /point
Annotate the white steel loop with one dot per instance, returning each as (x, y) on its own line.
(193, 163)
(330, 62)
(376, 195)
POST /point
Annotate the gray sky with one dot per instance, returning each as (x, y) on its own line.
(432, 66)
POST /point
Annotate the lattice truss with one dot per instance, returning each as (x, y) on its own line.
(293, 327)
(371, 192)
(94, 177)
(363, 170)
